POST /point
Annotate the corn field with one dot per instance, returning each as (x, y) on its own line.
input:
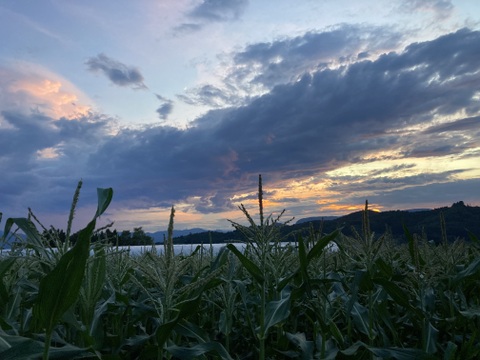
(369, 299)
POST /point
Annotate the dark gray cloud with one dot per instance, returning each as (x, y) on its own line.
(166, 107)
(30, 180)
(118, 73)
(212, 11)
(211, 96)
(164, 110)
(219, 10)
(467, 124)
(286, 60)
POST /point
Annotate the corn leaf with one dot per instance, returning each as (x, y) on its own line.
(33, 237)
(59, 289)
(430, 338)
(276, 312)
(305, 346)
(412, 248)
(396, 293)
(188, 353)
(21, 348)
(104, 197)
(249, 265)
(387, 353)
(321, 244)
(360, 319)
(302, 256)
(469, 271)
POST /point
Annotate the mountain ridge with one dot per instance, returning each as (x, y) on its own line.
(459, 221)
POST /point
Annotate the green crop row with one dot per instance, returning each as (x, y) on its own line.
(370, 299)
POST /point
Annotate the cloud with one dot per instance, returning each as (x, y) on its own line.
(29, 87)
(441, 8)
(25, 148)
(211, 96)
(118, 73)
(437, 194)
(212, 11)
(219, 10)
(165, 108)
(467, 124)
(261, 66)
(285, 60)
(46, 134)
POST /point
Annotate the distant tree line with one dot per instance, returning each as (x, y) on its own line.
(137, 237)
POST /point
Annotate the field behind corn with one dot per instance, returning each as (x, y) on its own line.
(369, 299)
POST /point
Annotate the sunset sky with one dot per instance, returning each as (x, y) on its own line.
(186, 102)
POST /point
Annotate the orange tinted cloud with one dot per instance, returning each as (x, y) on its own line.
(28, 87)
(49, 94)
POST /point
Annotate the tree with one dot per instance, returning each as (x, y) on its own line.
(140, 238)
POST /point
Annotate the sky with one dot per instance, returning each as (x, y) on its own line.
(185, 102)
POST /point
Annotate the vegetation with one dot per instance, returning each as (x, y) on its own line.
(371, 299)
(453, 222)
(54, 237)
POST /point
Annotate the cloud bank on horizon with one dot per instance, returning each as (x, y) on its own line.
(329, 115)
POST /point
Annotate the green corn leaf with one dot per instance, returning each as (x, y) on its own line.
(469, 271)
(430, 337)
(33, 237)
(360, 319)
(327, 351)
(276, 312)
(450, 351)
(355, 287)
(305, 346)
(92, 287)
(412, 249)
(387, 353)
(302, 256)
(336, 333)
(96, 326)
(96, 273)
(5, 265)
(385, 269)
(188, 353)
(251, 267)
(185, 308)
(59, 289)
(471, 313)
(104, 197)
(353, 349)
(321, 244)
(191, 330)
(396, 293)
(397, 353)
(21, 348)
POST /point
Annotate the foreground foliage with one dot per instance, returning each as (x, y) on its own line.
(369, 299)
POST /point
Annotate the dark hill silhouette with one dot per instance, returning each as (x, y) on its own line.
(459, 219)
